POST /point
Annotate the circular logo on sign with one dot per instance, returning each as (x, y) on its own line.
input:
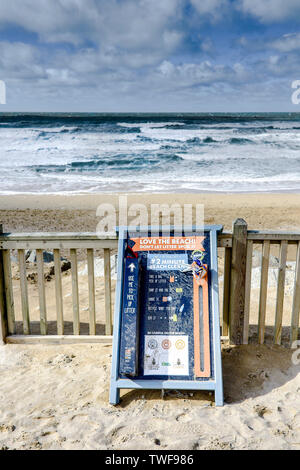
(152, 344)
(166, 344)
(180, 344)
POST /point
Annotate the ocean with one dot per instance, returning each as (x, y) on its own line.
(87, 153)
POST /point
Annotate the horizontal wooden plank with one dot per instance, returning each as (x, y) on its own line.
(62, 241)
(16, 236)
(77, 244)
(223, 237)
(58, 339)
(58, 244)
(55, 236)
(272, 236)
(56, 241)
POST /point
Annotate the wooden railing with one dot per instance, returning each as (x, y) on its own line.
(235, 250)
(238, 285)
(58, 243)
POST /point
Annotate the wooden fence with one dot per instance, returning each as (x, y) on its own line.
(235, 250)
(57, 242)
(238, 286)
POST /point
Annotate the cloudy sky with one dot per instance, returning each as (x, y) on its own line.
(149, 55)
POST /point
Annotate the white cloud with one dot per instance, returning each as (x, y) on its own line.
(268, 11)
(207, 46)
(129, 23)
(43, 17)
(205, 73)
(287, 43)
(213, 9)
(286, 65)
(141, 51)
(18, 60)
(136, 32)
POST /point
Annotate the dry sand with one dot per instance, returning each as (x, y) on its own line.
(51, 400)
(57, 398)
(78, 213)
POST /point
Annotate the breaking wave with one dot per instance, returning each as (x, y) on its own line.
(69, 153)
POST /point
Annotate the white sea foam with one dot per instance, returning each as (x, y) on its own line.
(150, 125)
(150, 156)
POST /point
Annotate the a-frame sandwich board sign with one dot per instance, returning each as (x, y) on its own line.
(166, 322)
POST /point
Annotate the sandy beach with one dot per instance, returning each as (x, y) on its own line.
(78, 212)
(56, 397)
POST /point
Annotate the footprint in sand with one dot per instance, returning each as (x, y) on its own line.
(261, 410)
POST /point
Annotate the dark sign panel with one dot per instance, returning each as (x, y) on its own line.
(167, 332)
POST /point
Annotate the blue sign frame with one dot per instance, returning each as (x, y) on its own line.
(215, 383)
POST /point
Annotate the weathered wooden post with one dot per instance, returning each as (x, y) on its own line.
(3, 319)
(237, 282)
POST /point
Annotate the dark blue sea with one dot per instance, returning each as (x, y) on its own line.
(86, 153)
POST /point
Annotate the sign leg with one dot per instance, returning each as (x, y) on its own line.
(219, 399)
(114, 396)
